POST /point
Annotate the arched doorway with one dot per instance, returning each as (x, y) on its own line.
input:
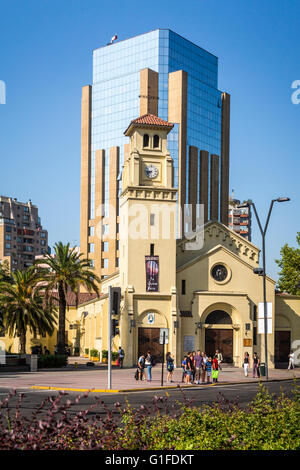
(219, 338)
(150, 323)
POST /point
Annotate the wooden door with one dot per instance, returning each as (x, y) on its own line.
(148, 338)
(282, 346)
(221, 340)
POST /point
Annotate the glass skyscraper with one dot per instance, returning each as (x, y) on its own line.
(114, 100)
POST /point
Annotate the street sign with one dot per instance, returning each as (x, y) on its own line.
(261, 318)
(161, 336)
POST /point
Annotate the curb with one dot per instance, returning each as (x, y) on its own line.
(149, 389)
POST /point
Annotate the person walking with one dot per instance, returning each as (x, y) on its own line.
(291, 360)
(204, 361)
(170, 366)
(220, 358)
(121, 355)
(215, 369)
(256, 363)
(149, 364)
(141, 367)
(208, 367)
(198, 361)
(246, 363)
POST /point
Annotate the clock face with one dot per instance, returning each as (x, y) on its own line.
(151, 171)
(219, 272)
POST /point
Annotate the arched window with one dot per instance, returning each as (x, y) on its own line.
(146, 140)
(156, 141)
(218, 317)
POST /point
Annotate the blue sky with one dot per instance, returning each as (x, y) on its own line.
(46, 57)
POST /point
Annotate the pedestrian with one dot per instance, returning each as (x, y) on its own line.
(194, 368)
(246, 363)
(141, 367)
(149, 364)
(208, 368)
(189, 367)
(256, 363)
(204, 360)
(215, 367)
(183, 369)
(291, 360)
(121, 355)
(170, 366)
(220, 358)
(198, 361)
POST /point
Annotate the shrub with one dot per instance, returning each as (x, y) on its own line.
(86, 351)
(104, 354)
(114, 355)
(52, 360)
(94, 353)
(267, 424)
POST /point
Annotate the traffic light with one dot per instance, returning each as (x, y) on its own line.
(115, 293)
(115, 327)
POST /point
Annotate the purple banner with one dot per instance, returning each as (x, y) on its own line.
(152, 272)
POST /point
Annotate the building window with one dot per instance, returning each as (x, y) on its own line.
(8, 237)
(254, 336)
(105, 229)
(43, 242)
(183, 286)
(26, 218)
(152, 249)
(91, 247)
(91, 231)
(105, 263)
(255, 313)
(146, 140)
(7, 246)
(152, 219)
(43, 235)
(92, 263)
(105, 246)
(8, 229)
(156, 142)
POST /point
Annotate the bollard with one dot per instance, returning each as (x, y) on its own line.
(33, 363)
(76, 364)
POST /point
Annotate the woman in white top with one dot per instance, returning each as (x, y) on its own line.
(246, 363)
(291, 360)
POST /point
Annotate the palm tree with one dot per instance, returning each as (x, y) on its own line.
(63, 272)
(23, 306)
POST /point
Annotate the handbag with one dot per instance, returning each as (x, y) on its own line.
(215, 374)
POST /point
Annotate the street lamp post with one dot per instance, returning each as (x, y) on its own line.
(263, 232)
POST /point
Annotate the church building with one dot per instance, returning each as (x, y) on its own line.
(205, 293)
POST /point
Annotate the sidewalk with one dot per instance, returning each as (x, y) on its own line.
(95, 378)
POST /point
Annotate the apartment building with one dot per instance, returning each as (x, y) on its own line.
(22, 236)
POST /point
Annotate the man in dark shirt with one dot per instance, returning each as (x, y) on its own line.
(189, 367)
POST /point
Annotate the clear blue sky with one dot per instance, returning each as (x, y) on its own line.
(46, 57)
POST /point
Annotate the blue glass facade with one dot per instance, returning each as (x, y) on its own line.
(116, 89)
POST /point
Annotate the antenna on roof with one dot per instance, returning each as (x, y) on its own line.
(114, 38)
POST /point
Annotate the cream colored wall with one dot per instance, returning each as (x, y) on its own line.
(237, 296)
(288, 315)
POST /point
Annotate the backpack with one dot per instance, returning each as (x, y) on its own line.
(136, 375)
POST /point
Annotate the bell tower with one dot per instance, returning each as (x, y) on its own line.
(148, 230)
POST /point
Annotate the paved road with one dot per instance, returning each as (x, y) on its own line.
(244, 392)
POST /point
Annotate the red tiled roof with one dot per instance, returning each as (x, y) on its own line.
(82, 298)
(149, 120)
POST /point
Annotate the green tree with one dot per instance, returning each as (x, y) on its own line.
(63, 272)
(23, 306)
(289, 280)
